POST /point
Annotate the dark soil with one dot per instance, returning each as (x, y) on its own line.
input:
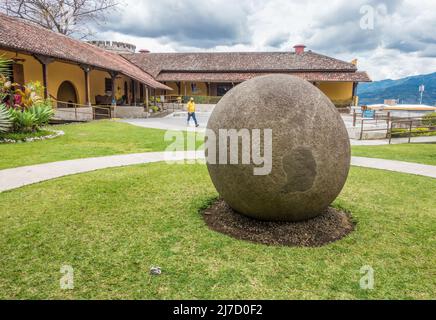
(330, 226)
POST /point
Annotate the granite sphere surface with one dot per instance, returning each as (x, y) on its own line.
(310, 149)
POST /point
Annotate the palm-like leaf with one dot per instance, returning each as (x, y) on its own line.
(4, 66)
(24, 121)
(5, 119)
(42, 113)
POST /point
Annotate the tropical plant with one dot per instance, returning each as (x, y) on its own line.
(4, 65)
(5, 119)
(27, 110)
(23, 120)
(30, 94)
(43, 112)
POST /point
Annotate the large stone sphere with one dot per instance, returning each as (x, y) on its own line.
(310, 149)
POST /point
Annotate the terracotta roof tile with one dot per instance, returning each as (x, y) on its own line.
(17, 34)
(150, 67)
(242, 76)
(239, 62)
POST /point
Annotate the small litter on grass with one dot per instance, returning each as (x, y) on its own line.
(155, 271)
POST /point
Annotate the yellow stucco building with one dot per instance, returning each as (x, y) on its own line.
(66, 81)
(213, 74)
(75, 73)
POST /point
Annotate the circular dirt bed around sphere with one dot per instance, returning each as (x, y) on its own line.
(330, 226)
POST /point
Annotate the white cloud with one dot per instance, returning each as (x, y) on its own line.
(402, 43)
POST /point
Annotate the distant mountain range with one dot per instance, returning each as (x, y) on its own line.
(405, 90)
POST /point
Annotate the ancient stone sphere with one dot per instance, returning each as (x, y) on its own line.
(310, 150)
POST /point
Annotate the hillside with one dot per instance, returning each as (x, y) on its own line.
(405, 89)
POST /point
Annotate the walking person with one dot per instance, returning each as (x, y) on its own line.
(191, 111)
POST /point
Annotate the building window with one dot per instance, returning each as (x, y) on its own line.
(108, 84)
(222, 88)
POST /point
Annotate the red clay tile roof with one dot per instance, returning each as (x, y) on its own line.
(359, 76)
(237, 63)
(17, 34)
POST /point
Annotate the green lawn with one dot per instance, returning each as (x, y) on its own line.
(98, 138)
(112, 225)
(415, 152)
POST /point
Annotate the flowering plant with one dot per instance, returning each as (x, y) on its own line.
(29, 94)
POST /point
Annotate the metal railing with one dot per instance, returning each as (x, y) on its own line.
(370, 115)
(383, 121)
(372, 119)
(185, 99)
(81, 111)
(412, 127)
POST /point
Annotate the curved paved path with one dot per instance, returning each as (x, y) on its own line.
(22, 176)
(394, 165)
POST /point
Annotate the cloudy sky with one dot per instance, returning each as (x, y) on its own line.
(391, 38)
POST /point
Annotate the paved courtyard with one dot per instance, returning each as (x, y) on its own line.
(174, 121)
(177, 121)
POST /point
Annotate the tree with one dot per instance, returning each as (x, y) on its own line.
(69, 17)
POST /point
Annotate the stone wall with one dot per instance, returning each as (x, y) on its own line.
(130, 112)
(116, 46)
(202, 107)
(79, 114)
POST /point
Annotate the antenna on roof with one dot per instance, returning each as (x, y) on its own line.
(421, 91)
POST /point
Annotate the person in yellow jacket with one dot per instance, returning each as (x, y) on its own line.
(191, 111)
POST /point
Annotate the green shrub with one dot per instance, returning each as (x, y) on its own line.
(42, 112)
(429, 119)
(416, 132)
(31, 119)
(5, 119)
(24, 120)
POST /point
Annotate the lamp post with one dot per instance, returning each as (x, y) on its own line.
(421, 91)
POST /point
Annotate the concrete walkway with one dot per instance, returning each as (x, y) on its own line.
(17, 177)
(171, 122)
(397, 166)
(177, 122)
(22, 176)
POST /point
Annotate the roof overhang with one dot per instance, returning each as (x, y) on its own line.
(151, 83)
(235, 77)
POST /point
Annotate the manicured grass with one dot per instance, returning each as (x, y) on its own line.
(98, 138)
(414, 152)
(112, 225)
